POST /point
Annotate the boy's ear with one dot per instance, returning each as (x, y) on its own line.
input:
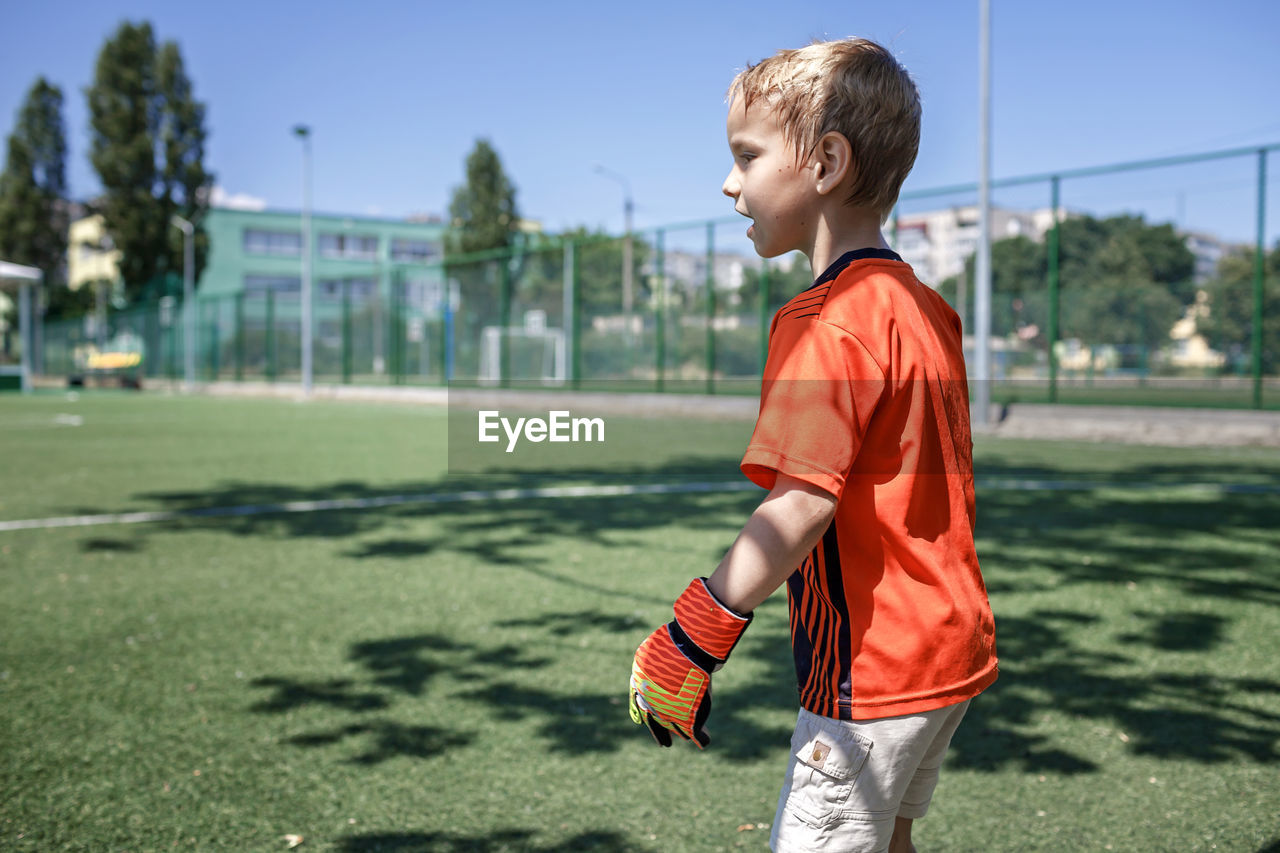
(832, 161)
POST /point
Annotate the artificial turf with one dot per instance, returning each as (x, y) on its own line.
(451, 676)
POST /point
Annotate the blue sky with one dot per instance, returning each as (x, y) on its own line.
(397, 93)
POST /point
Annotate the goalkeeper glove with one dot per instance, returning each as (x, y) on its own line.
(671, 675)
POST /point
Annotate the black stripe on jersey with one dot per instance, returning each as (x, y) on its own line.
(811, 294)
(807, 303)
(841, 693)
(810, 614)
(829, 625)
(801, 649)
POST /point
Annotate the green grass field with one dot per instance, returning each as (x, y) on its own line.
(451, 676)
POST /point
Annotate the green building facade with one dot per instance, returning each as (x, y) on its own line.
(252, 251)
(377, 292)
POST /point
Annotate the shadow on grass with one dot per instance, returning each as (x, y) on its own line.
(1193, 716)
(389, 740)
(493, 678)
(498, 841)
(342, 694)
(105, 544)
(1218, 550)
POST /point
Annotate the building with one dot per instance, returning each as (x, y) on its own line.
(1208, 251)
(91, 256)
(936, 243)
(687, 271)
(369, 277)
(256, 251)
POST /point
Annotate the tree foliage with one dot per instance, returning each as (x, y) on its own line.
(33, 186)
(147, 146)
(1229, 326)
(783, 283)
(482, 213)
(1122, 282)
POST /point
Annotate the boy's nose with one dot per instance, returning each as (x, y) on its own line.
(730, 187)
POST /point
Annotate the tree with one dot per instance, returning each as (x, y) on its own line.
(783, 283)
(147, 146)
(483, 212)
(483, 217)
(186, 182)
(1229, 326)
(1122, 282)
(1017, 286)
(33, 187)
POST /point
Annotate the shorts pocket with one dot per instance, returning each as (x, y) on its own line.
(827, 760)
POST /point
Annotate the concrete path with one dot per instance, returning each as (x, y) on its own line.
(1174, 427)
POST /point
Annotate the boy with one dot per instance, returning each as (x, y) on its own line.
(863, 442)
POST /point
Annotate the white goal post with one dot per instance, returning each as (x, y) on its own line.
(535, 352)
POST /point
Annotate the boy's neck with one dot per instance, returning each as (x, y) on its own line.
(835, 238)
(848, 233)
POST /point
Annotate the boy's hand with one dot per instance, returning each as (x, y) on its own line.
(671, 675)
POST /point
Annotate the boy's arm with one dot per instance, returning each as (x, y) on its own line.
(775, 540)
(671, 674)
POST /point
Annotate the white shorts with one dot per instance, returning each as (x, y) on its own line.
(847, 781)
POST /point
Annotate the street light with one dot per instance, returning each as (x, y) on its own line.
(982, 264)
(627, 209)
(303, 132)
(188, 300)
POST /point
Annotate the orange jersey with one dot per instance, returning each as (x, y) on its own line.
(865, 396)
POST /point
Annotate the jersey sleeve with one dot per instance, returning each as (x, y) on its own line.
(821, 387)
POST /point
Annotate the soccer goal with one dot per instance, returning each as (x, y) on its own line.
(535, 352)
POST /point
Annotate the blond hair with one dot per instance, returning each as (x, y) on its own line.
(853, 87)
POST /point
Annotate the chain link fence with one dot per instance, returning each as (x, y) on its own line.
(1090, 301)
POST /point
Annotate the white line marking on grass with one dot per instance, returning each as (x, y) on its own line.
(553, 492)
(375, 503)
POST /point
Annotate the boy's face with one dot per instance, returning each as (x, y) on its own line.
(767, 184)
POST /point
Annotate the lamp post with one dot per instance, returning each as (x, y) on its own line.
(982, 265)
(627, 209)
(303, 132)
(188, 300)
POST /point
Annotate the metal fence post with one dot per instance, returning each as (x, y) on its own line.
(1054, 292)
(660, 303)
(270, 341)
(388, 324)
(764, 313)
(346, 331)
(446, 329)
(1259, 278)
(397, 329)
(171, 367)
(215, 342)
(575, 320)
(711, 308)
(240, 336)
(504, 322)
(150, 334)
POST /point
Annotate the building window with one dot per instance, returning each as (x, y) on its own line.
(260, 284)
(260, 242)
(358, 289)
(411, 251)
(355, 247)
